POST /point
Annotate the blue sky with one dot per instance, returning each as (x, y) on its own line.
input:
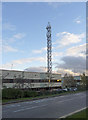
(24, 35)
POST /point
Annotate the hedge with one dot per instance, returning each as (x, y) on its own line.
(11, 93)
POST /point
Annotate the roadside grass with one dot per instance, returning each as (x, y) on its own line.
(37, 97)
(81, 114)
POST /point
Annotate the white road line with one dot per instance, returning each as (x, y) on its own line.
(25, 107)
(42, 101)
(41, 106)
(37, 101)
(28, 108)
(70, 99)
(72, 113)
(10, 106)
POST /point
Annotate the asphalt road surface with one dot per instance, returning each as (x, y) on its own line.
(54, 107)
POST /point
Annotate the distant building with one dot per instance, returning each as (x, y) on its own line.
(32, 80)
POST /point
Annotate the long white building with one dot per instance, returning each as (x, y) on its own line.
(33, 80)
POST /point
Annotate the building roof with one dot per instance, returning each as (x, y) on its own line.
(25, 71)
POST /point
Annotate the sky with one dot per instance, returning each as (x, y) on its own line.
(24, 38)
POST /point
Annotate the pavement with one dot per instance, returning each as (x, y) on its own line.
(54, 107)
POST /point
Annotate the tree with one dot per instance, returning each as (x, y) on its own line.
(83, 80)
(68, 81)
(19, 81)
(72, 82)
(65, 81)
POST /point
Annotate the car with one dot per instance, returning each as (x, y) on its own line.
(65, 89)
(74, 89)
(69, 89)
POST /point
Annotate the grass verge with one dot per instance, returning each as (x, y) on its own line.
(81, 114)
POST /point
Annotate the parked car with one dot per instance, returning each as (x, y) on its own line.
(65, 89)
(69, 89)
(74, 89)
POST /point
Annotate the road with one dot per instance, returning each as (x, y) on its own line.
(54, 107)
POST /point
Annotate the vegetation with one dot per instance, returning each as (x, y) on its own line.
(10, 94)
(68, 81)
(81, 114)
(83, 79)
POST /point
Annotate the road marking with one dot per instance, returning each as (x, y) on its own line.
(28, 108)
(24, 107)
(73, 113)
(40, 106)
(71, 99)
(37, 101)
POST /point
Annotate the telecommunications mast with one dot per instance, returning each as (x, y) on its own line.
(49, 51)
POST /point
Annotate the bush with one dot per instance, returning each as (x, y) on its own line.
(11, 93)
(81, 88)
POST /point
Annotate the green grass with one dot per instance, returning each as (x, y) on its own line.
(43, 96)
(81, 114)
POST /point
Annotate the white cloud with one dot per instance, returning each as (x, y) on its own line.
(76, 51)
(72, 61)
(8, 26)
(55, 54)
(68, 71)
(19, 35)
(36, 69)
(66, 38)
(27, 60)
(14, 38)
(77, 20)
(7, 48)
(22, 62)
(40, 51)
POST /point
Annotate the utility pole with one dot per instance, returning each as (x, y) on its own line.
(49, 52)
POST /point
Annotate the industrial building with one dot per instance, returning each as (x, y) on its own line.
(31, 80)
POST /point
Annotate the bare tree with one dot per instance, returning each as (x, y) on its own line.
(83, 79)
(19, 81)
(68, 81)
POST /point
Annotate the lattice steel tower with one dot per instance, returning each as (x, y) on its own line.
(49, 51)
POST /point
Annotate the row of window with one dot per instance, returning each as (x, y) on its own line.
(27, 81)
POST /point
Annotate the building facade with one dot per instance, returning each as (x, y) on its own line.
(32, 80)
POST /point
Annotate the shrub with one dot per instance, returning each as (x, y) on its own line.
(11, 93)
